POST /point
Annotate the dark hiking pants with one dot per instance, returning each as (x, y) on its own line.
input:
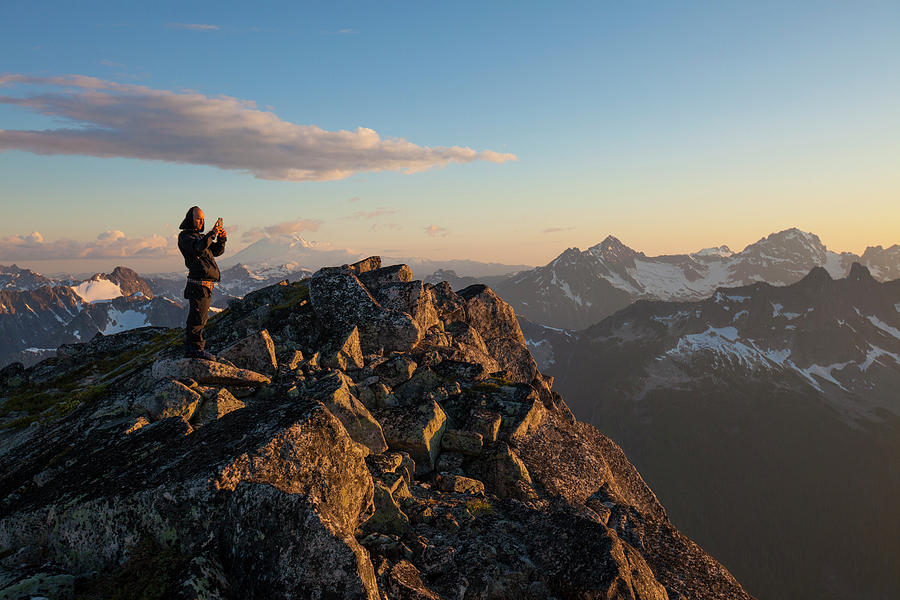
(198, 312)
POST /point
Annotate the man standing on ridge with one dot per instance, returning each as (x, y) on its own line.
(198, 250)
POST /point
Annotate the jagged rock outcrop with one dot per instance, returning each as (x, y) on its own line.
(404, 446)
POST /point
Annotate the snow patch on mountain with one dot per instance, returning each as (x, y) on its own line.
(97, 290)
(720, 341)
(884, 326)
(874, 353)
(825, 373)
(778, 311)
(118, 320)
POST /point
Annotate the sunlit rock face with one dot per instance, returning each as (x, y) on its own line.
(400, 443)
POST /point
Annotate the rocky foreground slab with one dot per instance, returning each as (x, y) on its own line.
(364, 435)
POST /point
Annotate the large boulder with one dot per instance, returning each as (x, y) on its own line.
(411, 297)
(217, 404)
(277, 493)
(580, 558)
(378, 278)
(395, 371)
(388, 516)
(206, 372)
(449, 306)
(343, 352)
(459, 484)
(503, 472)
(341, 301)
(464, 442)
(336, 394)
(423, 381)
(169, 399)
(365, 265)
(490, 314)
(496, 321)
(415, 429)
(470, 347)
(486, 422)
(255, 352)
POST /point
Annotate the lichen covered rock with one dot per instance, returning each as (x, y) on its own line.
(217, 403)
(415, 429)
(169, 399)
(335, 393)
(206, 372)
(255, 352)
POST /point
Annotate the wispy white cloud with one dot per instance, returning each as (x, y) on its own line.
(108, 244)
(132, 121)
(436, 231)
(109, 63)
(284, 228)
(193, 26)
(353, 199)
(556, 229)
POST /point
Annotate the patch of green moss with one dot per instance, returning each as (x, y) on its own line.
(38, 405)
(298, 293)
(153, 571)
(81, 385)
(479, 507)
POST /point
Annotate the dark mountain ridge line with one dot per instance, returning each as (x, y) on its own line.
(580, 288)
(380, 436)
(778, 403)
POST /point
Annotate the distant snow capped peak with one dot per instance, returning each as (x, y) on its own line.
(613, 250)
(794, 236)
(296, 241)
(578, 289)
(718, 251)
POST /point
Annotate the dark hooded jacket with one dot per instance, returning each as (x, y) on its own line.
(198, 250)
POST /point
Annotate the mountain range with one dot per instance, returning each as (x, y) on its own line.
(774, 400)
(295, 252)
(39, 314)
(579, 288)
(766, 418)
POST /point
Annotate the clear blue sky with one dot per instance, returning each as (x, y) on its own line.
(671, 125)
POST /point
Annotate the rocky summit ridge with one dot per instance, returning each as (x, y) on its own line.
(363, 435)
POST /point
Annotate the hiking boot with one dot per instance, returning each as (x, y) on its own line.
(200, 354)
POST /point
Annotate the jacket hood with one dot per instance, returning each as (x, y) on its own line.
(188, 222)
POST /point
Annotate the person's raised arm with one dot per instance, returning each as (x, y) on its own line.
(218, 247)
